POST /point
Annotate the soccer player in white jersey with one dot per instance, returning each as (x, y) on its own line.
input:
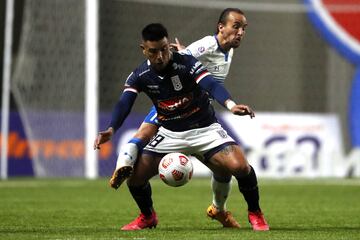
(215, 53)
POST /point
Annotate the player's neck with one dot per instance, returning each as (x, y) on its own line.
(162, 72)
(222, 43)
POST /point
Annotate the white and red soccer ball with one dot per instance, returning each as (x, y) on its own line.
(175, 169)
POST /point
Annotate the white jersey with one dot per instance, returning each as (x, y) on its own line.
(207, 50)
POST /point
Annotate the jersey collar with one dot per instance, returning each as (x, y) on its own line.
(226, 54)
(162, 74)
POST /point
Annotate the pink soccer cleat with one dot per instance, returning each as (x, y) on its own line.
(142, 222)
(257, 221)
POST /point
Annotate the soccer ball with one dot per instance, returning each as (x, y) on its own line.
(175, 169)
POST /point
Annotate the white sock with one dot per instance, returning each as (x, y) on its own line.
(127, 155)
(220, 193)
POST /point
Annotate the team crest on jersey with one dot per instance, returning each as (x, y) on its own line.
(176, 83)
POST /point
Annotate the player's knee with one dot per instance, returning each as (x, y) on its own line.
(241, 169)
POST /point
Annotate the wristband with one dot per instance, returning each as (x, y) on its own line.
(230, 104)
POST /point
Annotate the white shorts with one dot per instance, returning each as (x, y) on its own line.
(200, 142)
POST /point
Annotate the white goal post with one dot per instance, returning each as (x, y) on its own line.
(91, 83)
(6, 87)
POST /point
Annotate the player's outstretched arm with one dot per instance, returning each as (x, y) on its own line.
(239, 109)
(121, 111)
(103, 137)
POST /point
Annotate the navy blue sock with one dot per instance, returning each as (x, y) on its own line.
(248, 187)
(142, 197)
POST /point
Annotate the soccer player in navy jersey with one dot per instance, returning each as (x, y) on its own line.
(178, 86)
(215, 53)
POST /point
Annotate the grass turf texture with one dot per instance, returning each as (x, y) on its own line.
(84, 209)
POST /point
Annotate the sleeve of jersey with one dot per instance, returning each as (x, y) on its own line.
(198, 48)
(216, 90)
(123, 108)
(152, 117)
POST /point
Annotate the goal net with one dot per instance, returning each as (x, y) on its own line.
(48, 85)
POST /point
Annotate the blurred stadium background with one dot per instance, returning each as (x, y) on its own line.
(297, 81)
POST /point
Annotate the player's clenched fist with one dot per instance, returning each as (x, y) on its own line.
(103, 137)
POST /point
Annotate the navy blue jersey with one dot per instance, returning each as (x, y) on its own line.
(180, 102)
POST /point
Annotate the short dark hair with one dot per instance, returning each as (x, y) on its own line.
(224, 15)
(154, 32)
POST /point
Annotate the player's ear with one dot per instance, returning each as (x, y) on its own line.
(220, 27)
(142, 48)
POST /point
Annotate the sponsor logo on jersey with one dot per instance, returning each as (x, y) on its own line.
(201, 49)
(176, 83)
(175, 103)
(164, 118)
(153, 88)
(178, 66)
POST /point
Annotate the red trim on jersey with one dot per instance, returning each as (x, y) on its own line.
(201, 76)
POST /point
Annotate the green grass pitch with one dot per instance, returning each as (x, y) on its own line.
(89, 209)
